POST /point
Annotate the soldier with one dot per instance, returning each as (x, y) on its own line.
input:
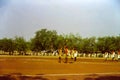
(72, 53)
(60, 54)
(66, 54)
(106, 56)
(118, 55)
(75, 54)
(113, 55)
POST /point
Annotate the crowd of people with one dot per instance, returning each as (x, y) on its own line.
(115, 55)
(72, 53)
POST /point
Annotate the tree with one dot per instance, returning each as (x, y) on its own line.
(88, 45)
(49, 40)
(101, 44)
(21, 45)
(44, 40)
(59, 43)
(72, 41)
(106, 43)
(7, 45)
(117, 43)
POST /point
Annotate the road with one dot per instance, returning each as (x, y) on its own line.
(49, 66)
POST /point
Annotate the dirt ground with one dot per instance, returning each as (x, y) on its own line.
(48, 68)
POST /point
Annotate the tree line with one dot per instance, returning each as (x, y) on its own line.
(49, 40)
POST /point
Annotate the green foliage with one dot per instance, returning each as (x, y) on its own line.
(59, 41)
(21, 45)
(44, 40)
(49, 40)
(107, 43)
(7, 45)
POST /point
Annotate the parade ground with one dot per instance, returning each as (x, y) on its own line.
(48, 68)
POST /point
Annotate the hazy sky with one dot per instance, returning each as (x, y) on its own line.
(86, 17)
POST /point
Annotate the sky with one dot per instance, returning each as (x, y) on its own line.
(84, 17)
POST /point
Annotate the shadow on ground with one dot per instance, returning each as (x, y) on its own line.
(19, 76)
(103, 78)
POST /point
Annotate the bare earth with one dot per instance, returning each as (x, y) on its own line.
(48, 68)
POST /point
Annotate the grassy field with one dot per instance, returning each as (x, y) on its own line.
(48, 68)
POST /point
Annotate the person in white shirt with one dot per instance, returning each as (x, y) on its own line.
(75, 54)
(60, 54)
(106, 55)
(113, 55)
(66, 54)
(72, 53)
(118, 55)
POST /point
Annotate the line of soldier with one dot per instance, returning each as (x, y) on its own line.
(115, 55)
(72, 53)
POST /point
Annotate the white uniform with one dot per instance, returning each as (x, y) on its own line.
(113, 55)
(75, 54)
(118, 56)
(106, 55)
(72, 54)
